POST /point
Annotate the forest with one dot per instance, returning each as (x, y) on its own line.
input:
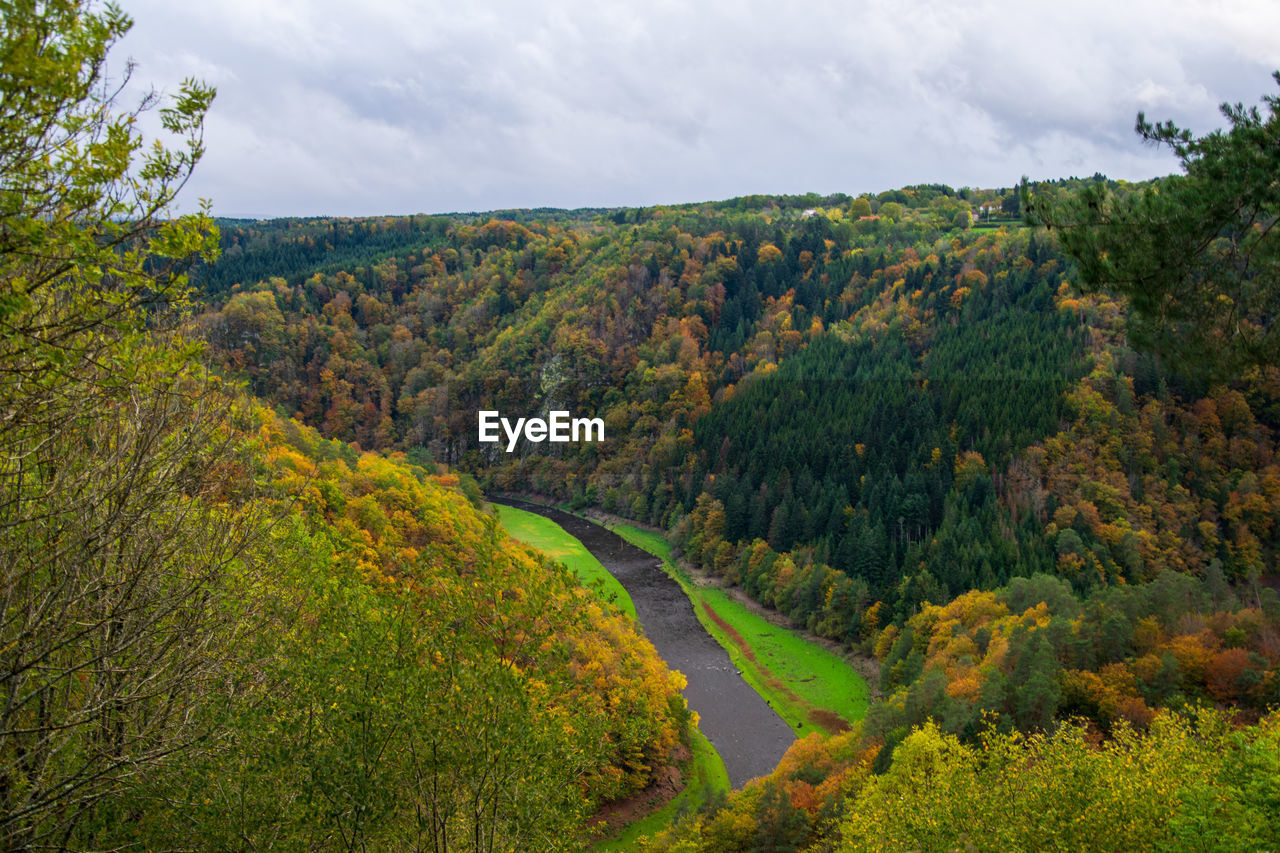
(1017, 445)
(911, 431)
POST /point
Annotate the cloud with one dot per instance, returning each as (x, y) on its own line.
(398, 106)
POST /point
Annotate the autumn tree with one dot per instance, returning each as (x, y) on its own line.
(123, 515)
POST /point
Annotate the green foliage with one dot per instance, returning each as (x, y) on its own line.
(891, 210)
(1153, 792)
(1030, 653)
(382, 730)
(85, 216)
(128, 551)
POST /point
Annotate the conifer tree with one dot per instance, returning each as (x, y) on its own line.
(1197, 254)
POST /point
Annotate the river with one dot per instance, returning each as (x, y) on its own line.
(745, 730)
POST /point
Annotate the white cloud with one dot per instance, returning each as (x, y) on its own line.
(391, 107)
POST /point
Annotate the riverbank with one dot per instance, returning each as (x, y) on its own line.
(811, 685)
(867, 668)
(754, 647)
(545, 535)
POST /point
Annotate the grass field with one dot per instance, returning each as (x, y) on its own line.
(549, 538)
(809, 686)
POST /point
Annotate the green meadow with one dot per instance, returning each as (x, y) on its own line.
(549, 538)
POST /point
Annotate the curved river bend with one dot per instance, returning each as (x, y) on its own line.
(745, 730)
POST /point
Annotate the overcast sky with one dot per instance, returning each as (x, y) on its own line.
(333, 107)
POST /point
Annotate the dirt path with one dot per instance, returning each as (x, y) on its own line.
(747, 733)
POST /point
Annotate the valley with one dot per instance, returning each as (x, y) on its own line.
(927, 444)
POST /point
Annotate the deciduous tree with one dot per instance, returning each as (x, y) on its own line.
(122, 513)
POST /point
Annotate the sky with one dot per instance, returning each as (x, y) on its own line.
(330, 107)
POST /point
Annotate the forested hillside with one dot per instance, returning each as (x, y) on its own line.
(435, 683)
(904, 427)
(893, 398)
(646, 325)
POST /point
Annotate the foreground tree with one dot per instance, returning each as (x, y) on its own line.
(122, 521)
(1196, 254)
